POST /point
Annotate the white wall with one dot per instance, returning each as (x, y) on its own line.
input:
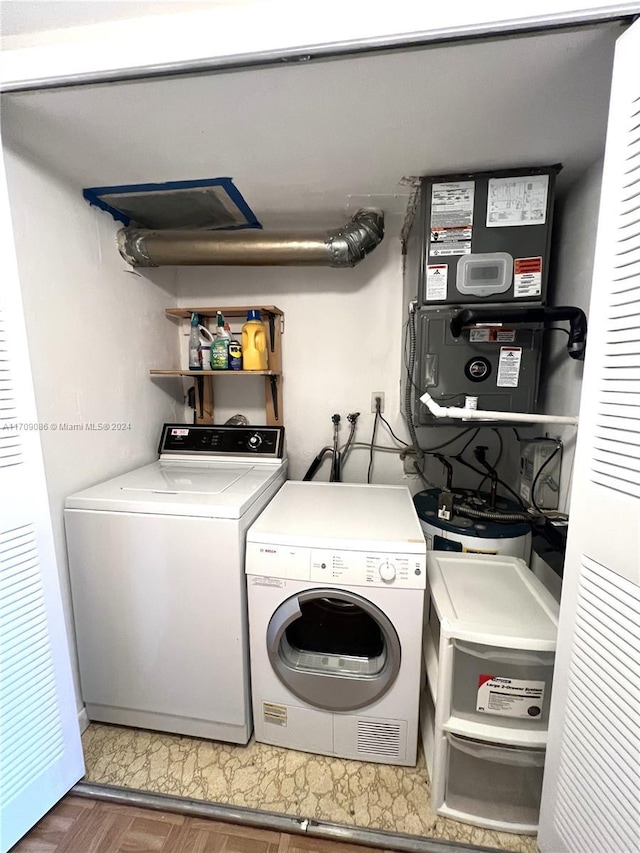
(342, 341)
(574, 242)
(94, 331)
(221, 33)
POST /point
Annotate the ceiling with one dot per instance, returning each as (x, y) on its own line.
(307, 142)
(25, 17)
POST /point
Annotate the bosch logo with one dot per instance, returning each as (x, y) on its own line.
(268, 551)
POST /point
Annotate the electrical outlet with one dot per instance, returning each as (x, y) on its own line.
(375, 394)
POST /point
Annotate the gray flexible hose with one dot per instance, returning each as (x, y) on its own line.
(505, 517)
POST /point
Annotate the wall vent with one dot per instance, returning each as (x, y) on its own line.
(210, 204)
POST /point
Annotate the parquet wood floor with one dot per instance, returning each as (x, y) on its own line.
(79, 825)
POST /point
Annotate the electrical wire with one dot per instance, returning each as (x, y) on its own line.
(496, 463)
(373, 441)
(388, 426)
(502, 482)
(546, 462)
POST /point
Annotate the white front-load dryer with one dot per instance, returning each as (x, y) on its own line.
(336, 579)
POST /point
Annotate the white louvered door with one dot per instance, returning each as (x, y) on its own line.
(591, 794)
(40, 749)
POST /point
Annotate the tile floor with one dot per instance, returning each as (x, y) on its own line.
(358, 793)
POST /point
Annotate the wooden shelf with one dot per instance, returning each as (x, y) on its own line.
(213, 373)
(273, 321)
(228, 311)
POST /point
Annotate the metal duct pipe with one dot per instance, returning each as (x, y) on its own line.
(341, 247)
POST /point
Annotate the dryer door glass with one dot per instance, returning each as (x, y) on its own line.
(333, 649)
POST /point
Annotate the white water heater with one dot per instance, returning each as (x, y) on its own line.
(463, 534)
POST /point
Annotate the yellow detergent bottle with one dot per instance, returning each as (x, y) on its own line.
(254, 343)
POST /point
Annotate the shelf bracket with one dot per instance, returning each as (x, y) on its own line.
(273, 381)
(272, 330)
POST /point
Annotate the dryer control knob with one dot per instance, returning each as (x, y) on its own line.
(387, 571)
(254, 441)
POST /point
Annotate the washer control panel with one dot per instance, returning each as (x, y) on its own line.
(350, 568)
(208, 440)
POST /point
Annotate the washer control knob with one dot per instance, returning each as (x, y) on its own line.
(387, 571)
(254, 441)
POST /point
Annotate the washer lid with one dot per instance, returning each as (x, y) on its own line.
(210, 489)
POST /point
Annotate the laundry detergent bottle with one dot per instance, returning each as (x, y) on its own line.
(254, 343)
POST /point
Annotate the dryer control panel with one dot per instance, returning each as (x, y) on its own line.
(349, 568)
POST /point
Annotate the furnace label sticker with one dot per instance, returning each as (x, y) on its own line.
(517, 201)
(451, 227)
(509, 367)
(492, 334)
(436, 282)
(510, 697)
(527, 277)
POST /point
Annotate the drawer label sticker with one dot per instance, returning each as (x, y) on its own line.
(510, 697)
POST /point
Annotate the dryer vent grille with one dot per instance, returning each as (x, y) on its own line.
(379, 738)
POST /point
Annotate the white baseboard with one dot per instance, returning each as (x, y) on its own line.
(83, 720)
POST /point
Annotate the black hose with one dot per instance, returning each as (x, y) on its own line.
(534, 314)
(334, 476)
(317, 462)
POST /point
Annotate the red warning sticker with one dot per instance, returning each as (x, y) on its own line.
(527, 277)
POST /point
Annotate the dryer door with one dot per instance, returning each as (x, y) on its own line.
(333, 649)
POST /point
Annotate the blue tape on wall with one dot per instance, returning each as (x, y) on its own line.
(96, 197)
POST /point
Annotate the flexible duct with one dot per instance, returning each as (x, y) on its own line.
(341, 247)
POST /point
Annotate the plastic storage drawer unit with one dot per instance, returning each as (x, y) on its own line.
(492, 628)
(494, 784)
(489, 647)
(510, 684)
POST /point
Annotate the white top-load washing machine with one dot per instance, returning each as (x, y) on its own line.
(156, 559)
(335, 583)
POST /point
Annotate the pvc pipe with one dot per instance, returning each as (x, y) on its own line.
(464, 414)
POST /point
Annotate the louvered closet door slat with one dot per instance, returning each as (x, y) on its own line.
(591, 784)
(10, 444)
(616, 336)
(606, 775)
(40, 751)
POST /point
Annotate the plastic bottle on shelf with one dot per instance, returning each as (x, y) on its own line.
(206, 339)
(220, 345)
(235, 354)
(254, 343)
(195, 353)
